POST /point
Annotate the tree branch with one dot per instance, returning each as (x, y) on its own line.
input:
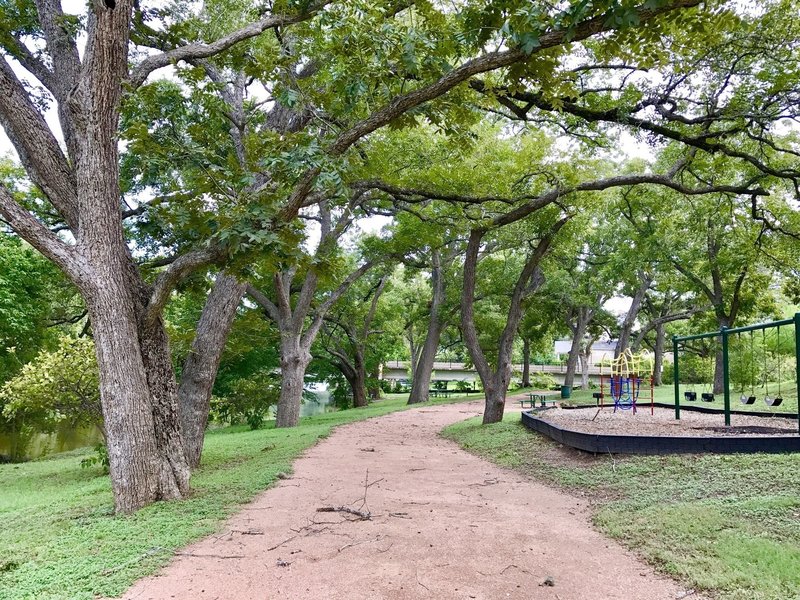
(40, 237)
(180, 268)
(198, 50)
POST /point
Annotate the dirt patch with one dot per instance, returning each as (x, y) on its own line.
(415, 518)
(663, 423)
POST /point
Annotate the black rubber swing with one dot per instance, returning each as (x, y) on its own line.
(751, 399)
(769, 401)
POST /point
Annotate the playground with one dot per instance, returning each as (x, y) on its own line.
(757, 365)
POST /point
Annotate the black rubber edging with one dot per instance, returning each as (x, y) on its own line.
(659, 445)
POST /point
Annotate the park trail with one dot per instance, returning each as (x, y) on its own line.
(442, 524)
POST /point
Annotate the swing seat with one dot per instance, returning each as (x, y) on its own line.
(690, 396)
(707, 397)
(773, 401)
(747, 399)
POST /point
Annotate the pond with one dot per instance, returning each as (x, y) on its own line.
(67, 438)
(41, 444)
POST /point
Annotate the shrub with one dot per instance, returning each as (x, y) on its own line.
(56, 387)
(248, 400)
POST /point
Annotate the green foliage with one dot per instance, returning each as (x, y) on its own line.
(58, 386)
(542, 381)
(31, 290)
(100, 459)
(248, 399)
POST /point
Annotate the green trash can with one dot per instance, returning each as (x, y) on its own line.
(565, 391)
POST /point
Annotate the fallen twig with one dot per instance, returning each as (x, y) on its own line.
(362, 515)
(193, 555)
(276, 546)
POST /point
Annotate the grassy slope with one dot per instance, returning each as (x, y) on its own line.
(60, 539)
(726, 524)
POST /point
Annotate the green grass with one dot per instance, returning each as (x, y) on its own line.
(666, 394)
(726, 524)
(61, 540)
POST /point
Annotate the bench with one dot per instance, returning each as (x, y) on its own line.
(533, 398)
(442, 393)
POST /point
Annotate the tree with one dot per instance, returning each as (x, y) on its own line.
(357, 331)
(722, 263)
(82, 181)
(300, 313)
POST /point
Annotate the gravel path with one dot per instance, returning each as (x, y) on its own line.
(444, 524)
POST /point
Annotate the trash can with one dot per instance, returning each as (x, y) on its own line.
(565, 391)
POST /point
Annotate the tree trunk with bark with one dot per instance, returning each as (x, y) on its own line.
(646, 280)
(495, 381)
(658, 354)
(201, 365)
(585, 355)
(423, 370)
(579, 323)
(526, 362)
(294, 362)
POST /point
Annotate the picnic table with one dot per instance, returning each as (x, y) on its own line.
(533, 398)
(442, 393)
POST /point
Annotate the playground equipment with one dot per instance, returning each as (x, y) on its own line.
(724, 335)
(628, 371)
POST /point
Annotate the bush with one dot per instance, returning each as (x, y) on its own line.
(249, 399)
(55, 388)
(542, 381)
(463, 386)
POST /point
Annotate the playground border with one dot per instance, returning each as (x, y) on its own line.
(660, 445)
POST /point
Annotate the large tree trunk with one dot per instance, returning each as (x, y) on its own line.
(495, 403)
(359, 381)
(526, 362)
(293, 371)
(423, 370)
(201, 365)
(658, 354)
(633, 312)
(719, 371)
(578, 333)
(294, 362)
(139, 400)
(585, 354)
(495, 382)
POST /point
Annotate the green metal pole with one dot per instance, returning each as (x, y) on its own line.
(675, 376)
(726, 376)
(797, 361)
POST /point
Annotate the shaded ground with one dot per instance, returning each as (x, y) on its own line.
(443, 524)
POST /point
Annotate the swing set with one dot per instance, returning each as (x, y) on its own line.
(753, 365)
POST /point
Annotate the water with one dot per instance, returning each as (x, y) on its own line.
(65, 438)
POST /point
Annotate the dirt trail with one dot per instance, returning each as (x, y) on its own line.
(444, 524)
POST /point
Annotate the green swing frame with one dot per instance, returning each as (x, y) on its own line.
(724, 334)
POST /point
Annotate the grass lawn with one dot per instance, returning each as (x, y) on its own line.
(60, 539)
(725, 524)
